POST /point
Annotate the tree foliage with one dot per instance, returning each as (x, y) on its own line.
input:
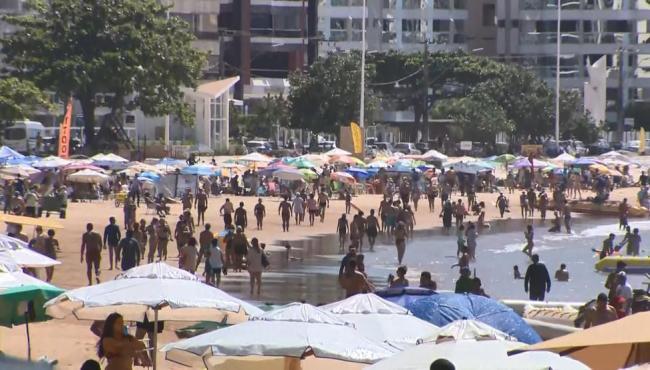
(19, 98)
(327, 95)
(270, 111)
(124, 48)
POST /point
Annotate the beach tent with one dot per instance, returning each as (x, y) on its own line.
(88, 177)
(21, 170)
(525, 163)
(382, 320)
(433, 155)
(6, 153)
(404, 296)
(282, 336)
(343, 177)
(564, 157)
(443, 308)
(51, 162)
(337, 151)
(156, 291)
(22, 256)
(614, 345)
(288, 174)
(198, 170)
(255, 158)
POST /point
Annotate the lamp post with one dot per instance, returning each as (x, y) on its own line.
(557, 74)
(362, 98)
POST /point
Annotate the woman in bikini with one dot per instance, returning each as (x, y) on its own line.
(119, 348)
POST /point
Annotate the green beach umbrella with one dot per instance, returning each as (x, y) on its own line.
(15, 301)
(302, 163)
(505, 158)
(308, 174)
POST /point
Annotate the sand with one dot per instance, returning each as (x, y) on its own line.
(70, 342)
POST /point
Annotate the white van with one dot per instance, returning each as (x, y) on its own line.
(21, 136)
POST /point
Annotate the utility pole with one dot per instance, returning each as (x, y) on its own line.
(425, 82)
(362, 102)
(557, 73)
(620, 113)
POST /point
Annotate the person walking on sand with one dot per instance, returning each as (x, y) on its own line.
(91, 247)
(226, 211)
(201, 204)
(205, 240)
(446, 214)
(129, 251)
(298, 206)
(241, 219)
(523, 204)
(372, 229)
(623, 211)
(260, 213)
(400, 241)
(529, 234)
(567, 216)
(152, 234)
(323, 203)
(164, 237)
(348, 201)
(312, 207)
(471, 235)
(214, 264)
(284, 210)
(542, 204)
(240, 246)
(188, 256)
(502, 204)
(460, 212)
(181, 233)
(537, 280)
(342, 229)
(50, 247)
(112, 238)
(255, 265)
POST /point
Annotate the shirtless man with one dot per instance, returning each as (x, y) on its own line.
(312, 208)
(152, 233)
(226, 211)
(91, 247)
(201, 204)
(323, 202)
(400, 241)
(241, 219)
(187, 200)
(623, 210)
(383, 207)
(342, 229)
(353, 281)
(284, 209)
(372, 227)
(260, 213)
(601, 314)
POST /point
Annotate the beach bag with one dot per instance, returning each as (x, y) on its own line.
(265, 260)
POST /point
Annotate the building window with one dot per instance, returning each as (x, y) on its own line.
(440, 25)
(442, 4)
(339, 2)
(489, 14)
(411, 25)
(460, 4)
(338, 29)
(411, 4)
(389, 4)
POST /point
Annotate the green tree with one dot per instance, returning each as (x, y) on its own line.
(19, 98)
(126, 48)
(271, 111)
(479, 117)
(327, 95)
(574, 122)
(640, 111)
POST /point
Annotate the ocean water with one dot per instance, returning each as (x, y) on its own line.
(308, 270)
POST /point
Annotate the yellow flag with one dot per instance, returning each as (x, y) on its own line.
(357, 137)
(642, 141)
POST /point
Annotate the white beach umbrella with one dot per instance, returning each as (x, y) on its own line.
(255, 157)
(110, 160)
(337, 151)
(433, 155)
(293, 331)
(88, 177)
(382, 320)
(20, 254)
(288, 174)
(317, 159)
(468, 330)
(22, 170)
(51, 162)
(155, 290)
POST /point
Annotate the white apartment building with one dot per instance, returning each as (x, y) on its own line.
(590, 29)
(392, 25)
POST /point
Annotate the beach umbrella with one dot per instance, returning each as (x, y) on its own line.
(22, 170)
(255, 158)
(7, 153)
(88, 177)
(78, 166)
(317, 159)
(16, 290)
(343, 177)
(151, 176)
(28, 160)
(288, 174)
(461, 159)
(337, 152)
(155, 290)
(614, 345)
(18, 252)
(433, 155)
(308, 174)
(382, 320)
(504, 158)
(359, 173)
(471, 167)
(525, 163)
(51, 162)
(110, 160)
(301, 162)
(443, 308)
(295, 331)
(584, 162)
(268, 170)
(378, 164)
(564, 157)
(198, 170)
(600, 169)
(344, 159)
(404, 296)
(468, 330)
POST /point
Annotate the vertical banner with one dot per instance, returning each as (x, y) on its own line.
(64, 131)
(642, 141)
(357, 138)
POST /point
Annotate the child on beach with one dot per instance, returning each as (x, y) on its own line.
(517, 274)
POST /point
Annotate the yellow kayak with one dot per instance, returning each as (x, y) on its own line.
(634, 264)
(609, 208)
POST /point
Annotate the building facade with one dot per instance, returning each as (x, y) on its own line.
(589, 30)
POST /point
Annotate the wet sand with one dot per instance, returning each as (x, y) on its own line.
(71, 342)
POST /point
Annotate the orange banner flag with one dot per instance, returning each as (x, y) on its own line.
(64, 131)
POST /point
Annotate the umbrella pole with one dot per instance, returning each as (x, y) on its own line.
(29, 342)
(155, 338)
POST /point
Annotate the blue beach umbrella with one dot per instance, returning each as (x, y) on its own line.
(444, 308)
(198, 169)
(358, 173)
(149, 176)
(404, 296)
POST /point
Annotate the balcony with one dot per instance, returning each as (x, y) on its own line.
(388, 37)
(585, 43)
(412, 37)
(273, 32)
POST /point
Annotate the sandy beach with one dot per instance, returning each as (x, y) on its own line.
(70, 341)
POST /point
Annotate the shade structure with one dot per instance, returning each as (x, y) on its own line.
(172, 162)
(443, 308)
(382, 320)
(302, 162)
(176, 294)
(378, 164)
(110, 160)
(505, 158)
(289, 174)
(7, 363)
(198, 170)
(357, 172)
(150, 176)
(317, 159)
(471, 167)
(6, 153)
(51, 162)
(22, 256)
(345, 159)
(268, 170)
(468, 330)
(617, 344)
(404, 296)
(88, 177)
(255, 158)
(584, 161)
(21, 170)
(295, 330)
(16, 291)
(343, 177)
(433, 155)
(337, 151)
(564, 157)
(308, 174)
(78, 166)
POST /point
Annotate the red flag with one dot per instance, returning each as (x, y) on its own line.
(64, 131)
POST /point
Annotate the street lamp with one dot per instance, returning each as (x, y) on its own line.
(557, 73)
(362, 98)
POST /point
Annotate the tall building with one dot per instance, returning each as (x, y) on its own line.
(264, 40)
(590, 29)
(393, 25)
